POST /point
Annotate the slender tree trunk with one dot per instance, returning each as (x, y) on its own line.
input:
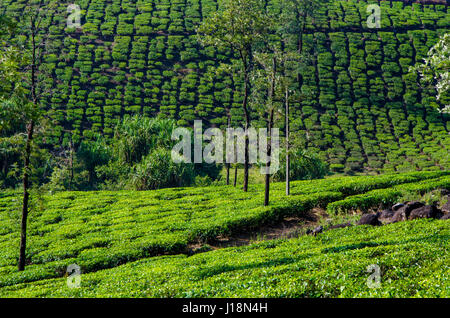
(228, 164)
(5, 166)
(269, 156)
(247, 126)
(269, 134)
(288, 185)
(26, 196)
(71, 165)
(27, 164)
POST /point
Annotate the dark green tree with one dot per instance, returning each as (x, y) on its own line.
(239, 25)
(22, 90)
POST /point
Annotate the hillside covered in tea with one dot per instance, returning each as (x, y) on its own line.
(157, 243)
(364, 110)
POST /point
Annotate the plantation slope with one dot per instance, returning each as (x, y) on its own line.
(99, 230)
(365, 111)
(413, 257)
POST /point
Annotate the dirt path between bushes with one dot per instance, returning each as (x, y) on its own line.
(290, 227)
(293, 227)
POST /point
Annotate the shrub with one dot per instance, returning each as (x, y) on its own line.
(158, 170)
(304, 165)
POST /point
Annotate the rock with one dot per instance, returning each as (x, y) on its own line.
(386, 214)
(399, 216)
(402, 214)
(446, 207)
(340, 226)
(397, 206)
(369, 219)
(446, 217)
(412, 206)
(316, 231)
(445, 192)
(425, 212)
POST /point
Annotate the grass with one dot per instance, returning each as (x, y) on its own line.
(105, 230)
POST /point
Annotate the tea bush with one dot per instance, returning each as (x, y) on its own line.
(413, 258)
(361, 104)
(99, 230)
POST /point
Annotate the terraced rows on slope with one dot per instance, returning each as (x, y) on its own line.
(100, 230)
(413, 258)
(366, 111)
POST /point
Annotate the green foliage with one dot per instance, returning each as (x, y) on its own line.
(332, 264)
(136, 136)
(157, 171)
(358, 102)
(304, 165)
(385, 197)
(140, 158)
(77, 169)
(99, 230)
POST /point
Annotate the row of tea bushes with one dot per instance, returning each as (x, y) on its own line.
(386, 197)
(99, 230)
(413, 259)
(365, 111)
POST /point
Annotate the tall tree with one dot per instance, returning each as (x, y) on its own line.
(239, 25)
(274, 79)
(266, 79)
(22, 97)
(292, 24)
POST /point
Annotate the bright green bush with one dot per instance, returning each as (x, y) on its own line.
(332, 264)
(149, 54)
(99, 230)
(304, 165)
(157, 170)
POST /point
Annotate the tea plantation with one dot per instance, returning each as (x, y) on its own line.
(119, 239)
(413, 257)
(365, 110)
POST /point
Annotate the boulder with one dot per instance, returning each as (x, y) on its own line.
(446, 216)
(398, 216)
(386, 214)
(402, 214)
(425, 212)
(446, 207)
(412, 206)
(369, 219)
(397, 206)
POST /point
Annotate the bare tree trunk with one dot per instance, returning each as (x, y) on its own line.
(27, 165)
(247, 126)
(235, 174)
(5, 166)
(269, 141)
(228, 164)
(26, 196)
(71, 165)
(246, 58)
(288, 185)
(269, 156)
